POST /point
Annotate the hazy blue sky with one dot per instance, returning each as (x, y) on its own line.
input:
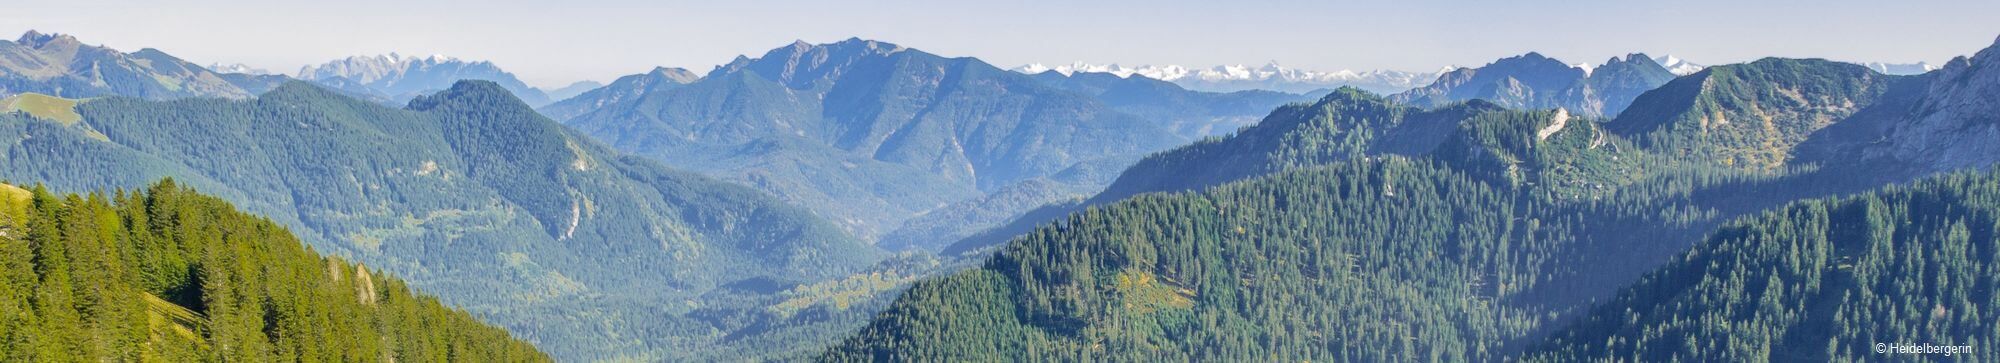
(553, 42)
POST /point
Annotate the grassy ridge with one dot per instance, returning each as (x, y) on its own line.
(44, 106)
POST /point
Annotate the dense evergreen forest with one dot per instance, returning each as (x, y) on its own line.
(1284, 268)
(169, 275)
(1822, 280)
(1384, 260)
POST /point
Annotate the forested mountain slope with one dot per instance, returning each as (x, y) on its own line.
(1351, 124)
(471, 195)
(1463, 251)
(1751, 115)
(1395, 259)
(166, 274)
(1684, 124)
(1821, 280)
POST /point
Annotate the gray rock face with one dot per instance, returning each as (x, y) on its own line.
(1957, 124)
(1536, 82)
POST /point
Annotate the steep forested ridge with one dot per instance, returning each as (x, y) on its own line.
(1751, 115)
(1460, 250)
(471, 196)
(1216, 275)
(169, 275)
(1349, 124)
(1385, 260)
(1821, 280)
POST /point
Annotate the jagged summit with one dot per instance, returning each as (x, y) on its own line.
(365, 68)
(36, 39)
(1632, 57)
(395, 77)
(1677, 65)
(1531, 58)
(61, 65)
(31, 37)
(1533, 80)
(800, 64)
(852, 44)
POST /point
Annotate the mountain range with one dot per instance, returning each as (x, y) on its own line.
(238, 68)
(1275, 77)
(1312, 235)
(61, 65)
(396, 78)
(1901, 69)
(1270, 77)
(1537, 82)
(872, 134)
(469, 194)
(1683, 67)
(864, 201)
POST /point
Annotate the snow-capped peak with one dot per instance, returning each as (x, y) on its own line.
(1586, 67)
(1268, 71)
(1901, 68)
(370, 68)
(1680, 67)
(1166, 73)
(237, 68)
(1270, 75)
(1033, 68)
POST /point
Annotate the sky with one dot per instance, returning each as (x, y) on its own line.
(552, 43)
